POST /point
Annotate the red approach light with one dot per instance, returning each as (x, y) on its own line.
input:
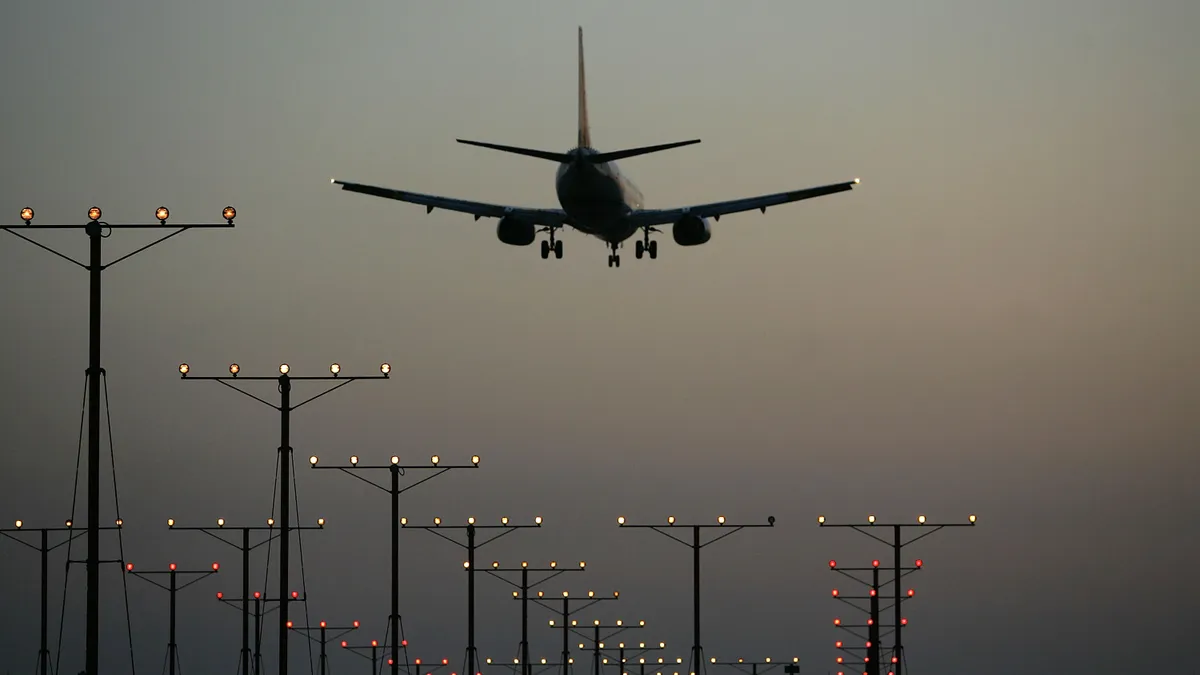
(873, 592)
(840, 660)
(417, 661)
(868, 643)
(903, 622)
(257, 595)
(835, 592)
(345, 644)
(220, 595)
(911, 592)
(832, 564)
(128, 567)
(374, 643)
(838, 644)
(322, 624)
(870, 622)
(216, 566)
(837, 622)
(866, 659)
(289, 624)
(172, 566)
(446, 661)
(356, 624)
(874, 563)
(390, 662)
(919, 562)
(895, 660)
(403, 643)
(295, 594)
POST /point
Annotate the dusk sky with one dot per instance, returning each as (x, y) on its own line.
(1001, 320)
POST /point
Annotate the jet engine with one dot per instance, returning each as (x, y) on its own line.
(515, 232)
(691, 231)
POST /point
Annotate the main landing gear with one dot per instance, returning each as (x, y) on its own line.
(614, 260)
(647, 246)
(551, 245)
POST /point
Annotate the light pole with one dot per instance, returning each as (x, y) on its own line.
(323, 629)
(543, 664)
(285, 408)
(245, 547)
(638, 652)
(94, 229)
(373, 647)
(523, 595)
(870, 651)
(767, 664)
(172, 587)
(697, 657)
(505, 527)
(566, 623)
(259, 599)
(597, 639)
(396, 469)
(44, 548)
(896, 544)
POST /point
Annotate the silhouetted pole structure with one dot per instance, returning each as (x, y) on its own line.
(285, 408)
(396, 469)
(697, 657)
(544, 664)
(258, 615)
(323, 629)
(661, 662)
(172, 587)
(523, 596)
(374, 647)
(598, 640)
(897, 544)
(469, 565)
(875, 633)
(767, 663)
(567, 622)
(245, 547)
(44, 548)
(94, 229)
(638, 652)
(429, 669)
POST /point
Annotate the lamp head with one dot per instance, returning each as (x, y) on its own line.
(234, 369)
(94, 213)
(27, 215)
(229, 213)
(335, 369)
(162, 213)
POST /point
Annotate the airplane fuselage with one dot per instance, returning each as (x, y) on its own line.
(596, 197)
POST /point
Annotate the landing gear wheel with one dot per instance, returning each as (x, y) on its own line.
(652, 249)
(558, 250)
(546, 249)
(610, 260)
(639, 249)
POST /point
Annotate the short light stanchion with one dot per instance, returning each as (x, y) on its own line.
(172, 587)
(869, 653)
(245, 547)
(536, 666)
(602, 632)
(757, 667)
(335, 380)
(373, 648)
(323, 630)
(522, 594)
(696, 663)
(396, 470)
(259, 600)
(97, 231)
(629, 651)
(505, 527)
(429, 667)
(660, 666)
(897, 543)
(565, 623)
(44, 548)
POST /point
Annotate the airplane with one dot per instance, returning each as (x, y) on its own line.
(596, 198)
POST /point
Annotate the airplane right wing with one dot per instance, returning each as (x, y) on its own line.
(543, 217)
(717, 209)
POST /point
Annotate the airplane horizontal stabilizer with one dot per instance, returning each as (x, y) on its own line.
(560, 157)
(602, 157)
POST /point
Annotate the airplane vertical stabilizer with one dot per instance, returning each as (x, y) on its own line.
(585, 135)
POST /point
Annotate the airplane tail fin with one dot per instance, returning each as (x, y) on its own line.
(560, 157)
(585, 134)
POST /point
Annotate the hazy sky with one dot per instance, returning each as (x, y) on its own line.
(1002, 320)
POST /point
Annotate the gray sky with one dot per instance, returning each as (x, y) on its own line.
(1000, 321)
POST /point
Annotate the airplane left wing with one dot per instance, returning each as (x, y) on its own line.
(717, 209)
(544, 217)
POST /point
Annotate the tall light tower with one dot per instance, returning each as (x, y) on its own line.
(697, 657)
(97, 231)
(897, 543)
(285, 407)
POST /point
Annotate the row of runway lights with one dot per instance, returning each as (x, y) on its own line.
(334, 368)
(470, 520)
(161, 214)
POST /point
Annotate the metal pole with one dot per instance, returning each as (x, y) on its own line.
(566, 652)
(395, 569)
(374, 659)
(44, 653)
(525, 667)
(596, 651)
(257, 636)
(873, 630)
(285, 475)
(171, 645)
(696, 654)
(470, 600)
(93, 528)
(899, 653)
(322, 650)
(245, 601)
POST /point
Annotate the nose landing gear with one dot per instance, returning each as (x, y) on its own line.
(614, 260)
